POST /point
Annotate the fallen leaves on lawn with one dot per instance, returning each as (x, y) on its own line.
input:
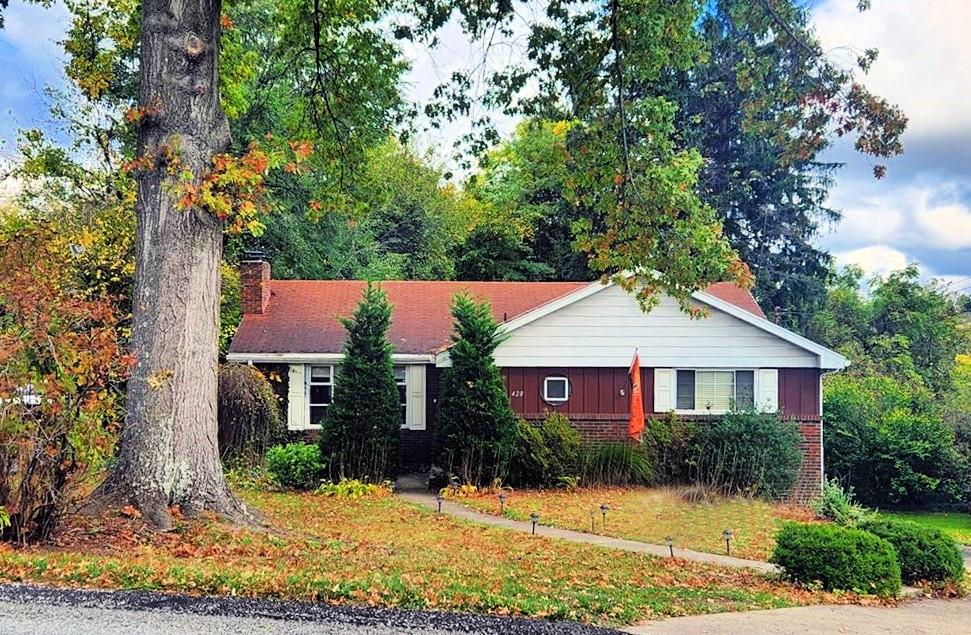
(386, 552)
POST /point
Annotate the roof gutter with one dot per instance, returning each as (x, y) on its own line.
(309, 358)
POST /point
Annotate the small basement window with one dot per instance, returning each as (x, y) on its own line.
(556, 390)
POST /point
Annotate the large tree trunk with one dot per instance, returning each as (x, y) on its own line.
(169, 453)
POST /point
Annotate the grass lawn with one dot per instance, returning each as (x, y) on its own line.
(956, 524)
(652, 515)
(383, 551)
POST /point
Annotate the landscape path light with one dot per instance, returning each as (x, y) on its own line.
(603, 512)
(439, 498)
(727, 535)
(670, 543)
(502, 502)
(535, 518)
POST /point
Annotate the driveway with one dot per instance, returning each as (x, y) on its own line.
(919, 617)
(29, 610)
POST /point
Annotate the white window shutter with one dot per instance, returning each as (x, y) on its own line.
(663, 389)
(768, 390)
(415, 404)
(297, 398)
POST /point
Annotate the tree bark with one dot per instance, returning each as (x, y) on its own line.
(169, 452)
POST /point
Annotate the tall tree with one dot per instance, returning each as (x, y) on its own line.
(903, 328)
(525, 184)
(169, 450)
(761, 106)
(746, 83)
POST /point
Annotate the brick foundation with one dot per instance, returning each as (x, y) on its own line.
(810, 479)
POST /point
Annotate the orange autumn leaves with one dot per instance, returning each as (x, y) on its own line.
(234, 190)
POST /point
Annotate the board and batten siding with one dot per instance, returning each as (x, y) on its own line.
(603, 329)
(604, 393)
(594, 392)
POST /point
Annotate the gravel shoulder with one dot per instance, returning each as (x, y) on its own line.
(29, 609)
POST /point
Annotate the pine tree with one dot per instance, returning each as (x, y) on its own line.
(360, 433)
(476, 424)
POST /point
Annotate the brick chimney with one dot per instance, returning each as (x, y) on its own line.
(254, 273)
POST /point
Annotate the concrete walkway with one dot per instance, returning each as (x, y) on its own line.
(926, 617)
(460, 511)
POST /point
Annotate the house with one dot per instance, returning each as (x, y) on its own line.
(569, 346)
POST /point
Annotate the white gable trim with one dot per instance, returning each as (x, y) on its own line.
(827, 359)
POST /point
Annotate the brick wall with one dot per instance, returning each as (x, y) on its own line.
(809, 481)
(255, 282)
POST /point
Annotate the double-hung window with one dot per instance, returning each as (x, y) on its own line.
(401, 380)
(321, 385)
(715, 390)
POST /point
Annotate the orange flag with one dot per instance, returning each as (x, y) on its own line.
(635, 426)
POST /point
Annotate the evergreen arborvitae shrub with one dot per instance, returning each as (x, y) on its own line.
(476, 426)
(924, 553)
(359, 435)
(249, 414)
(838, 558)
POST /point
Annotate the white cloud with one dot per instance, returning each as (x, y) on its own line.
(872, 219)
(927, 214)
(924, 56)
(876, 259)
(947, 226)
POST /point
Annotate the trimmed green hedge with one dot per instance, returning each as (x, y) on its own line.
(924, 553)
(837, 558)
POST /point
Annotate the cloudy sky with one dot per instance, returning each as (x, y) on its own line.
(920, 212)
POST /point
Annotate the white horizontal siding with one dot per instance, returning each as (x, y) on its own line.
(603, 329)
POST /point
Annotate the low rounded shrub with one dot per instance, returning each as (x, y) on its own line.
(296, 465)
(924, 553)
(837, 558)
